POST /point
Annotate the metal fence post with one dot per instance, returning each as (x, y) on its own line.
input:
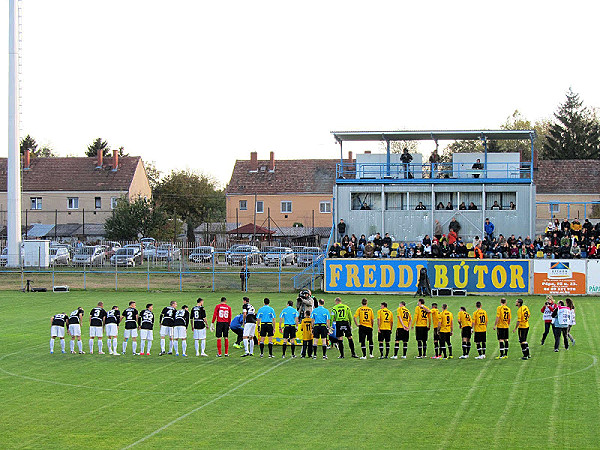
(213, 271)
(148, 287)
(116, 274)
(180, 277)
(84, 277)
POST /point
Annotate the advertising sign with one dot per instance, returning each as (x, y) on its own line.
(593, 276)
(559, 276)
(402, 275)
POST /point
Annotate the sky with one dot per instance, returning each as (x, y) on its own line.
(193, 84)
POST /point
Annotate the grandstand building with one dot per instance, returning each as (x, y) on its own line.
(380, 193)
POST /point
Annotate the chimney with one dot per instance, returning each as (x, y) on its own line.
(367, 152)
(272, 162)
(535, 159)
(99, 155)
(253, 162)
(350, 156)
(115, 160)
(26, 159)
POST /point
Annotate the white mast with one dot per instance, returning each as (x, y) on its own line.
(13, 229)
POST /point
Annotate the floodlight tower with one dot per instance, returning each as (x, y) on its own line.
(13, 227)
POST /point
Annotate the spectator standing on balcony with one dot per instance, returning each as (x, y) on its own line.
(420, 207)
(472, 207)
(496, 206)
(434, 160)
(512, 206)
(437, 230)
(341, 228)
(439, 206)
(477, 166)
(449, 206)
(406, 159)
(462, 206)
(365, 207)
(488, 227)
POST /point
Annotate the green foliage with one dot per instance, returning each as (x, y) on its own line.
(152, 173)
(193, 197)
(575, 133)
(96, 146)
(132, 219)
(29, 143)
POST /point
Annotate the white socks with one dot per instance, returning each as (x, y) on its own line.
(162, 345)
(62, 345)
(99, 345)
(80, 346)
(91, 345)
(124, 346)
(52, 344)
(134, 346)
(251, 345)
(197, 345)
(171, 344)
(72, 345)
(149, 346)
(143, 345)
(184, 346)
(246, 345)
(176, 347)
(203, 345)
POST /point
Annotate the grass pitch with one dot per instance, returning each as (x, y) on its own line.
(77, 401)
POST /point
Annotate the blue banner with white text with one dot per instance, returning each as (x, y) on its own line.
(402, 275)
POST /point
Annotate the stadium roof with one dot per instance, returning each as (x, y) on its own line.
(435, 135)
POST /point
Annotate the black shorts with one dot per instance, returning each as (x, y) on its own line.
(436, 334)
(402, 335)
(384, 335)
(480, 336)
(320, 331)
(421, 333)
(289, 332)
(365, 333)
(466, 332)
(502, 333)
(222, 329)
(266, 329)
(445, 337)
(523, 334)
(343, 328)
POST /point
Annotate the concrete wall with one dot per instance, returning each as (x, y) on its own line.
(303, 206)
(408, 224)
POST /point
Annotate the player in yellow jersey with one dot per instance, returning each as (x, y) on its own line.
(435, 322)
(480, 320)
(364, 318)
(307, 336)
(385, 321)
(501, 326)
(402, 330)
(465, 324)
(523, 316)
(446, 328)
(422, 323)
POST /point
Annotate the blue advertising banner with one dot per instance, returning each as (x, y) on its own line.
(402, 275)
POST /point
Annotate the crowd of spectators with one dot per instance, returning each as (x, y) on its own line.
(563, 240)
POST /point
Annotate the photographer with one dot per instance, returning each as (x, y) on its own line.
(305, 302)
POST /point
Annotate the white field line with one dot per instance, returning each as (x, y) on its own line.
(204, 405)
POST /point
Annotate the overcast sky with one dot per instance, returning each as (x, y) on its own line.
(198, 84)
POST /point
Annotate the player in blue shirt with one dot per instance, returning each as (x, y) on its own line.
(237, 326)
(265, 320)
(321, 321)
(288, 320)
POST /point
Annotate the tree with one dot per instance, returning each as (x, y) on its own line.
(575, 132)
(152, 173)
(46, 152)
(28, 143)
(97, 145)
(193, 197)
(132, 219)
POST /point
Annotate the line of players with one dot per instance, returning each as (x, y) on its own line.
(317, 325)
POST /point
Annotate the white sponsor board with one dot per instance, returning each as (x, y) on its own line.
(593, 277)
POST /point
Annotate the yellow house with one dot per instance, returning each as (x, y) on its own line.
(282, 193)
(72, 190)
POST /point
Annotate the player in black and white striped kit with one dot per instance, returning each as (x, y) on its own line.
(57, 328)
(75, 319)
(167, 316)
(199, 325)
(146, 322)
(182, 318)
(97, 317)
(130, 316)
(111, 323)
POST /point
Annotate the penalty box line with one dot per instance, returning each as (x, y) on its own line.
(204, 405)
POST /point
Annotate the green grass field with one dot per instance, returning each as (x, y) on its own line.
(76, 401)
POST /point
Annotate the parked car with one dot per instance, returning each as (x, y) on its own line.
(150, 252)
(4, 255)
(110, 247)
(168, 252)
(127, 256)
(148, 241)
(279, 256)
(59, 255)
(203, 254)
(308, 255)
(239, 254)
(297, 249)
(89, 255)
